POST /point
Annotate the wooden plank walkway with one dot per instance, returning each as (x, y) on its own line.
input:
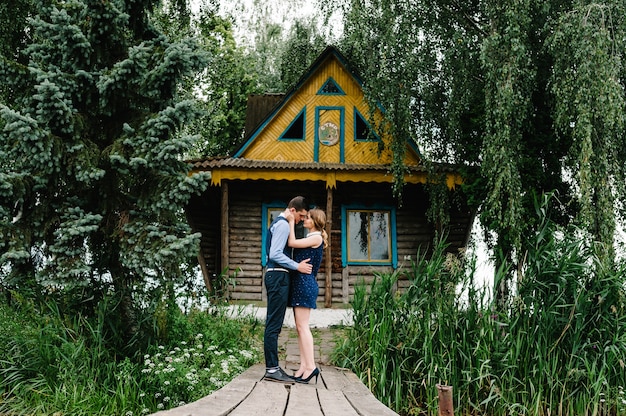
(338, 392)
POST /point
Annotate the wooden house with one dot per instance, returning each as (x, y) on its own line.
(315, 141)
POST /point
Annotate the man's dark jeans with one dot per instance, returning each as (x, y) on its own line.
(277, 288)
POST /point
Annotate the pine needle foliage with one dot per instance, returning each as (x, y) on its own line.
(92, 180)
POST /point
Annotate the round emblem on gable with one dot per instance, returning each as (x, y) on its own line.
(329, 134)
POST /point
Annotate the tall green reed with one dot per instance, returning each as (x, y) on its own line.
(558, 348)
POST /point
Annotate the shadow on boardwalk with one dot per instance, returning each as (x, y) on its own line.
(338, 391)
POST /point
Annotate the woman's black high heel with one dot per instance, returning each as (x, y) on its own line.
(315, 373)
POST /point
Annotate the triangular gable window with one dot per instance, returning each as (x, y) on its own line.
(362, 130)
(330, 87)
(295, 130)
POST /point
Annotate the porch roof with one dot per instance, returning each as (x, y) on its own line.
(230, 168)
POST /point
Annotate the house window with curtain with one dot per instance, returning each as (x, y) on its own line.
(368, 236)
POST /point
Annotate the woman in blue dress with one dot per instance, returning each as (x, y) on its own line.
(304, 288)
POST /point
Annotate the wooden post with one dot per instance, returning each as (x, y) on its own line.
(224, 256)
(328, 266)
(446, 406)
(205, 272)
(201, 261)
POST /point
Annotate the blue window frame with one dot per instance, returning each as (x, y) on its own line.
(296, 129)
(269, 212)
(330, 87)
(369, 235)
(363, 132)
(319, 111)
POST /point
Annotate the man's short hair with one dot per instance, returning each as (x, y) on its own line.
(299, 203)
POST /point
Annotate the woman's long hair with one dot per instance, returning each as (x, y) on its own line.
(319, 220)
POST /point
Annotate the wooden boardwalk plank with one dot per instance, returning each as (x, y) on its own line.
(339, 392)
(363, 400)
(267, 399)
(303, 401)
(224, 400)
(334, 403)
(333, 378)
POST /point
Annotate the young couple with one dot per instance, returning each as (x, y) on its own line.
(292, 281)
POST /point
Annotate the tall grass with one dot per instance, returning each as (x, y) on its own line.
(558, 348)
(50, 364)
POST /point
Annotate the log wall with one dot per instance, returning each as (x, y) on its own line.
(245, 203)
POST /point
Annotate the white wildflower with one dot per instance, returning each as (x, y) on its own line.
(225, 369)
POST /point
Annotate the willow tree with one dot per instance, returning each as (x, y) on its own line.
(92, 181)
(526, 96)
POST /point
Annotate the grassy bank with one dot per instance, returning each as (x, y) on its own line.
(55, 365)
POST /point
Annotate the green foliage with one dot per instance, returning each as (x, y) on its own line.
(303, 45)
(214, 349)
(13, 37)
(525, 97)
(221, 285)
(93, 180)
(587, 45)
(223, 86)
(280, 41)
(54, 364)
(559, 347)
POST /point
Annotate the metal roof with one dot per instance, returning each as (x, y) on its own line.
(242, 163)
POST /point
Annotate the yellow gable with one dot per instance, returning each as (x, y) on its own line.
(324, 120)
